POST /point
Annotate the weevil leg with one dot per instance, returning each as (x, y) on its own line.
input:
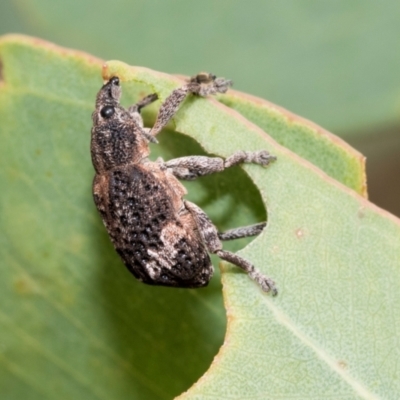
(262, 157)
(137, 108)
(192, 167)
(134, 112)
(266, 284)
(202, 84)
(210, 237)
(241, 232)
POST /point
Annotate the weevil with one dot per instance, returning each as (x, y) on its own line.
(162, 238)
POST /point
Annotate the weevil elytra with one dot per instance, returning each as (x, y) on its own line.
(162, 238)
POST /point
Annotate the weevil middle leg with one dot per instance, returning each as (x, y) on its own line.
(211, 239)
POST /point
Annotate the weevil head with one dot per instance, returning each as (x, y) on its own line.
(116, 137)
(108, 109)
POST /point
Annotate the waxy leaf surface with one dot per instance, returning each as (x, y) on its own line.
(75, 324)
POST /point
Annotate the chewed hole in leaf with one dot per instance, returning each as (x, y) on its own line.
(229, 198)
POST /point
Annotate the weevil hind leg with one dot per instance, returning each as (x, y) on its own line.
(266, 284)
(213, 243)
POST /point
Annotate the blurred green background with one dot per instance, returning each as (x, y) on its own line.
(334, 62)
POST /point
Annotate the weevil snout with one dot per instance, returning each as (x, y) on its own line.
(110, 93)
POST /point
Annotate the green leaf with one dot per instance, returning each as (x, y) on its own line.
(332, 331)
(74, 322)
(308, 140)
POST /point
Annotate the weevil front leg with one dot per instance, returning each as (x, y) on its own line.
(134, 112)
(192, 167)
(211, 239)
(135, 109)
(203, 84)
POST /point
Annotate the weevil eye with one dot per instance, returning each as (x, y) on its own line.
(115, 80)
(107, 111)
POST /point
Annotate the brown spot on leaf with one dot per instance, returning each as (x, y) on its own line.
(361, 213)
(105, 72)
(275, 249)
(23, 286)
(299, 233)
(342, 364)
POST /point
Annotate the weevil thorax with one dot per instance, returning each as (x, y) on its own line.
(117, 138)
